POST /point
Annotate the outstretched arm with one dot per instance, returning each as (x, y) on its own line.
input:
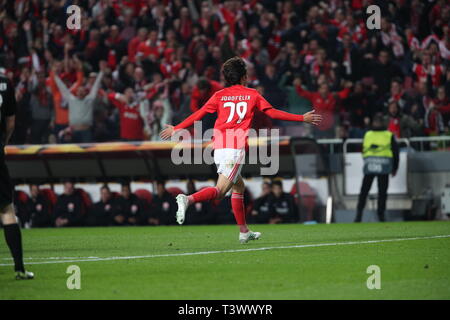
(209, 107)
(189, 121)
(62, 88)
(96, 85)
(309, 117)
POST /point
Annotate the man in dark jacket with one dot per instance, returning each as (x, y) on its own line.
(69, 208)
(38, 208)
(263, 205)
(282, 204)
(164, 206)
(100, 213)
(128, 208)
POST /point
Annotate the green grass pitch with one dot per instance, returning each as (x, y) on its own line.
(328, 262)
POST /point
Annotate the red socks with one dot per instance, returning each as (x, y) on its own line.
(205, 194)
(237, 204)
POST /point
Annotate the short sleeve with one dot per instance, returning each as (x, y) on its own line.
(9, 102)
(262, 104)
(211, 105)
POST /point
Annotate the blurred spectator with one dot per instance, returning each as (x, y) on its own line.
(399, 123)
(283, 205)
(324, 102)
(69, 208)
(61, 111)
(295, 103)
(128, 208)
(201, 93)
(426, 70)
(41, 105)
(81, 108)
(100, 214)
(269, 80)
(159, 115)
(442, 105)
(39, 208)
(131, 122)
(383, 71)
(164, 206)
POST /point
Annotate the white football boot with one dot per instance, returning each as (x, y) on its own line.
(182, 201)
(27, 275)
(250, 235)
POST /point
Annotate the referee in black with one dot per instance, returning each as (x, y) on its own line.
(7, 213)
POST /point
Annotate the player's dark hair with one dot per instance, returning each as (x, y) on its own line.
(233, 70)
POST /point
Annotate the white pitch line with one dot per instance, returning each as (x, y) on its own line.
(92, 259)
(52, 258)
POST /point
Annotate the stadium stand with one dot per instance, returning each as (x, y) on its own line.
(299, 53)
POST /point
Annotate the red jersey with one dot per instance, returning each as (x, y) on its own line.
(131, 124)
(235, 107)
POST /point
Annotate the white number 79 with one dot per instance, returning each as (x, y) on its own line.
(240, 108)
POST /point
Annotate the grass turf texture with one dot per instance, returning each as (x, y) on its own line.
(416, 269)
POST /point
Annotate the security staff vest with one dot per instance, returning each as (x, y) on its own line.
(377, 152)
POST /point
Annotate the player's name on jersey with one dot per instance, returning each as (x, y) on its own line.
(235, 98)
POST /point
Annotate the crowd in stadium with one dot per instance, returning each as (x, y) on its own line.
(137, 65)
(74, 207)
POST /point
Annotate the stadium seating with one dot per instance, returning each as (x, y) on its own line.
(144, 194)
(174, 191)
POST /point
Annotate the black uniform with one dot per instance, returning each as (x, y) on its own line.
(199, 213)
(70, 207)
(164, 208)
(7, 108)
(39, 210)
(12, 232)
(130, 208)
(264, 207)
(100, 213)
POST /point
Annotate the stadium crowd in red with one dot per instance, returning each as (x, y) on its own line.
(157, 61)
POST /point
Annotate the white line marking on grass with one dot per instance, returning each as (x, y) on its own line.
(91, 259)
(52, 258)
